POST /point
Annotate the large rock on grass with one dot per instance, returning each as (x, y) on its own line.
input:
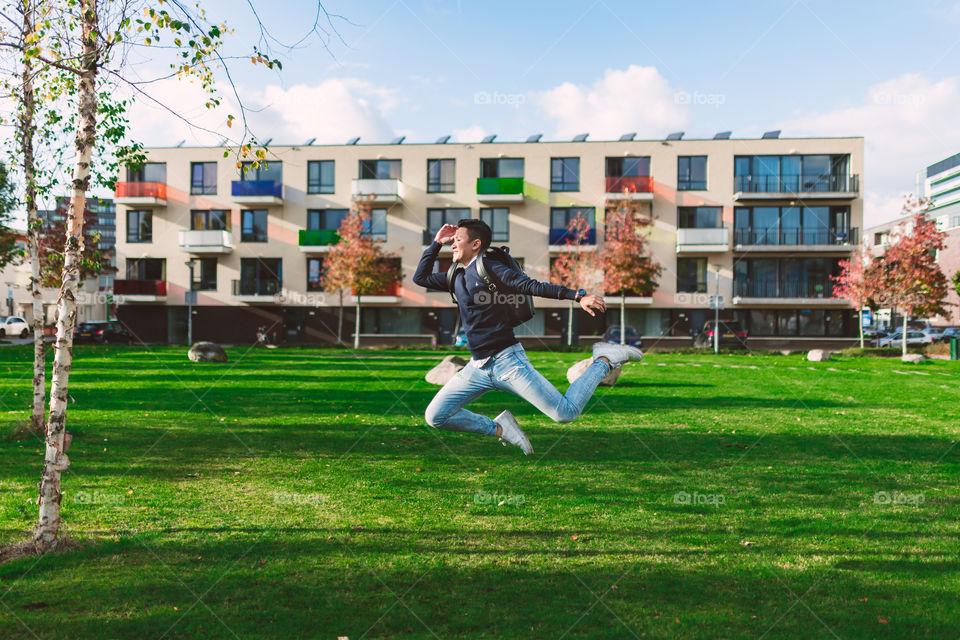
(579, 368)
(207, 352)
(818, 355)
(443, 372)
(913, 358)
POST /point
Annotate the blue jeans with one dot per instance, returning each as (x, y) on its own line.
(509, 370)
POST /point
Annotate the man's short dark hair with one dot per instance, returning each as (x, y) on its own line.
(477, 230)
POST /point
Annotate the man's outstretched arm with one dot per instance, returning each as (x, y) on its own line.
(518, 282)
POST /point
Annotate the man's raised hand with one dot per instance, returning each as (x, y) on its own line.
(446, 233)
(589, 303)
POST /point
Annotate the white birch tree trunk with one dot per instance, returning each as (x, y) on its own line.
(860, 320)
(570, 326)
(55, 460)
(904, 337)
(356, 326)
(340, 320)
(623, 318)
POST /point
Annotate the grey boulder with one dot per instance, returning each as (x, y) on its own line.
(443, 372)
(207, 352)
(579, 368)
(818, 355)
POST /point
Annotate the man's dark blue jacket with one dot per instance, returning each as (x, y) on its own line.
(486, 324)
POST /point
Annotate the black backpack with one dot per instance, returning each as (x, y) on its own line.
(519, 306)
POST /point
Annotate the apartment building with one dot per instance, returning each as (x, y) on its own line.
(765, 220)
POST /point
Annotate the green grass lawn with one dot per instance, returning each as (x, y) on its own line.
(300, 494)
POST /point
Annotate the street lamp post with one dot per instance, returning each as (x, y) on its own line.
(189, 296)
(716, 315)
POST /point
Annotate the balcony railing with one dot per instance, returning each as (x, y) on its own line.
(380, 188)
(141, 190)
(391, 290)
(318, 237)
(198, 240)
(797, 184)
(796, 236)
(712, 236)
(562, 236)
(803, 288)
(261, 287)
(140, 287)
(499, 186)
(256, 188)
(630, 184)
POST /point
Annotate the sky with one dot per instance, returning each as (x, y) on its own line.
(887, 71)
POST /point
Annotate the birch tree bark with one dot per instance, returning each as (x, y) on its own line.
(55, 460)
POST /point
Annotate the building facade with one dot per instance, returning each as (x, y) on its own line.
(765, 220)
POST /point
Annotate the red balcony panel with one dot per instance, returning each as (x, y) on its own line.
(630, 184)
(140, 287)
(141, 190)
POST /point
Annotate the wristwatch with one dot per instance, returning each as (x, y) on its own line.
(580, 294)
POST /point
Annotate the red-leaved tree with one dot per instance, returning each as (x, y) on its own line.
(908, 275)
(578, 266)
(627, 262)
(857, 283)
(357, 262)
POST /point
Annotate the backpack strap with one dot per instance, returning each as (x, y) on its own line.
(485, 275)
(451, 278)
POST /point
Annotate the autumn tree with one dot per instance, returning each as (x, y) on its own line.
(577, 266)
(357, 262)
(856, 283)
(628, 265)
(907, 274)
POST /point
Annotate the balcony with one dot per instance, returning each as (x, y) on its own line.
(561, 240)
(141, 194)
(206, 241)
(629, 188)
(317, 240)
(796, 239)
(125, 291)
(258, 291)
(809, 291)
(257, 192)
(500, 189)
(390, 294)
(381, 190)
(703, 240)
(824, 187)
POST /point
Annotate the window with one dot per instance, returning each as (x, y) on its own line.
(146, 269)
(699, 217)
(253, 225)
(565, 174)
(691, 173)
(379, 169)
(436, 218)
(497, 218)
(212, 219)
(139, 226)
(271, 171)
(325, 219)
(204, 275)
(792, 173)
(375, 227)
(560, 218)
(793, 225)
(501, 168)
(203, 178)
(785, 278)
(441, 176)
(320, 176)
(314, 274)
(259, 277)
(149, 172)
(691, 275)
(629, 167)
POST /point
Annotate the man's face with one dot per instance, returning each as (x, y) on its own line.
(463, 248)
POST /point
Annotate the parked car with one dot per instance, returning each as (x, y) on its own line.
(913, 337)
(13, 326)
(631, 337)
(935, 333)
(950, 332)
(102, 332)
(732, 335)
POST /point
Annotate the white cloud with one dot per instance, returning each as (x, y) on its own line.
(908, 122)
(635, 99)
(473, 133)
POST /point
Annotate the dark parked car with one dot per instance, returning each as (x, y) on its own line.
(631, 336)
(732, 335)
(102, 332)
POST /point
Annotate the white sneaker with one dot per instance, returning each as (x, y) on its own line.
(617, 354)
(512, 433)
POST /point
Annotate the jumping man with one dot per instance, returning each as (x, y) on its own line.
(498, 360)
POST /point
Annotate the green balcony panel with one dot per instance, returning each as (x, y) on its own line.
(318, 237)
(499, 186)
